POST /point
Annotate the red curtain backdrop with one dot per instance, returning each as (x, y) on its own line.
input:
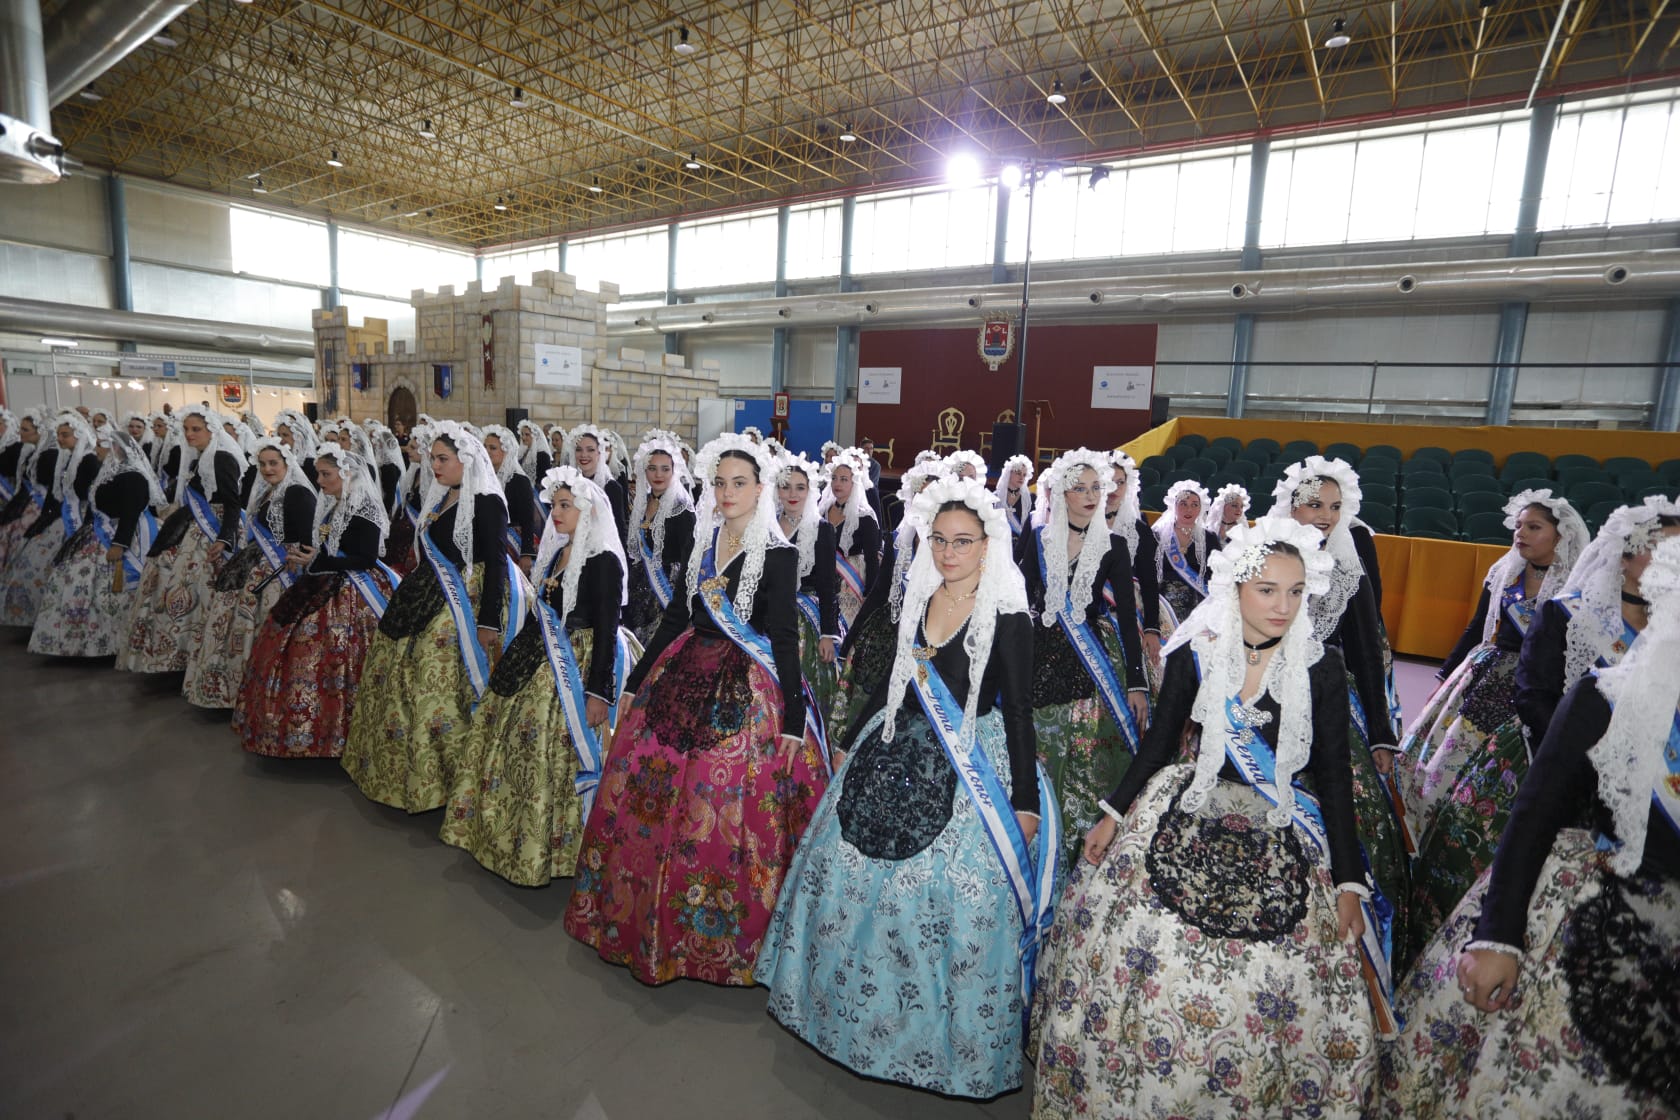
(943, 369)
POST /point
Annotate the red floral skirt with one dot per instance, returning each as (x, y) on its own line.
(306, 662)
(700, 807)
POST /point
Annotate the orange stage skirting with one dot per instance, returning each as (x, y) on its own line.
(1430, 587)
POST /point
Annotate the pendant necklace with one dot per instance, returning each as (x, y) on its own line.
(1254, 651)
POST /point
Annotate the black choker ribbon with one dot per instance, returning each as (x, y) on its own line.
(1254, 651)
(1633, 600)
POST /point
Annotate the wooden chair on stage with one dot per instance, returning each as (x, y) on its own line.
(884, 452)
(947, 436)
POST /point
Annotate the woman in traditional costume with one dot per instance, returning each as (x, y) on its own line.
(1324, 494)
(94, 580)
(1465, 754)
(535, 458)
(1209, 956)
(1014, 492)
(440, 635)
(902, 943)
(662, 532)
(716, 768)
(1090, 698)
(1182, 549)
(279, 515)
(30, 565)
(857, 534)
(525, 518)
(1550, 992)
(821, 627)
(533, 760)
(1228, 509)
(591, 453)
(1126, 521)
(305, 666)
(166, 620)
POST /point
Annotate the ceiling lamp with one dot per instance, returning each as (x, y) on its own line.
(133, 384)
(1056, 96)
(91, 94)
(595, 187)
(257, 187)
(1338, 34)
(847, 136)
(692, 162)
(164, 38)
(683, 47)
(962, 170)
(1009, 178)
(333, 160)
(500, 204)
(426, 129)
(518, 101)
(1099, 176)
(58, 342)
(75, 383)
(412, 214)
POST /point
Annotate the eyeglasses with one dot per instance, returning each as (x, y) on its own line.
(1083, 490)
(958, 545)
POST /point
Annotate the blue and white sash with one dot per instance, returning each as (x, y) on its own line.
(1032, 882)
(568, 683)
(70, 514)
(203, 515)
(273, 551)
(1517, 607)
(368, 587)
(1666, 794)
(849, 575)
(1083, 637)
(714, 592)
(134, 556)
(7, 490)
(461, 609)
(1254, 760)
(1570, 603)
(1176, 558)
(654, 565)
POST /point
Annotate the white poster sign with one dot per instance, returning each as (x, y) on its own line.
(145, 367)
(879, 384)
(1127, 387)
(559, 367)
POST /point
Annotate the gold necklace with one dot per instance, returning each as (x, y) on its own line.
(954, 599)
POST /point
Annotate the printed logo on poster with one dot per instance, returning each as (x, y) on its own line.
(997, 340)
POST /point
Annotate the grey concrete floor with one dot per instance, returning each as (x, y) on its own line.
(186, 931)
(189, 932)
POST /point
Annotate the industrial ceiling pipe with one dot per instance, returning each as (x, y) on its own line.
(34, 316)
(23, 71)
(1586, 276)
(89, 37)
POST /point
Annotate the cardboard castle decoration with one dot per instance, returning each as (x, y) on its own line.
(620, 387)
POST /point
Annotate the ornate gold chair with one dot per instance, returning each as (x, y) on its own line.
(884, 452)
(947, 436)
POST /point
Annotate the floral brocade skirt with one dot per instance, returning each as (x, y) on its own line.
(166, 618)
(305, 669)
(1378, 822)
(1591, 1029)
(874, 644)
(24, 581)
(11, 535)
(1082, 749)
(700, 807)
(1197, 973)
(1451, 730)
(894, 949)
(232, 615)
(822, 676)
(514, 804)
(410, 726)
(81, 611)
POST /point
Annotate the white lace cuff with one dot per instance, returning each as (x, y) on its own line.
(1359, 889)
(1109, 809)
(1493, 947)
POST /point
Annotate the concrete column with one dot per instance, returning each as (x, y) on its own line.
(673, 340)
(331, 297)
(779, 337)
(565, 250)
(1525, 242)
(1242, 334)
(845, 338)
(122, 279)
(1000, 238)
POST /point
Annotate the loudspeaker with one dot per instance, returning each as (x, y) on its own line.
(515, 415)
(1007, 440)
(1158, 410)
(312, 412)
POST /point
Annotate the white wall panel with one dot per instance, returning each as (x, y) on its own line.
(175, 291)
(181, 228)
(69, 213)
(29, 272)
(1599, 334)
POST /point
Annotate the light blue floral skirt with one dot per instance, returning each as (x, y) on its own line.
(903, 969)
